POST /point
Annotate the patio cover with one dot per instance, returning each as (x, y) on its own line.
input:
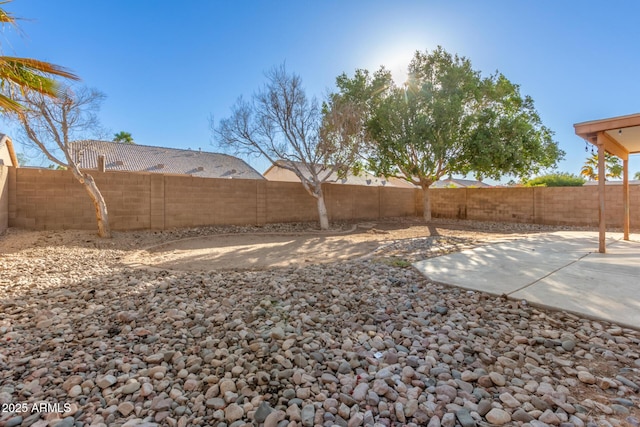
(619, 136)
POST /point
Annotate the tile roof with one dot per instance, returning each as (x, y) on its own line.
(145, 158)
(459, 183)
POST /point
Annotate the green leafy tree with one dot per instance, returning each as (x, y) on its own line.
(448, 119)
(18, 75)
(637, 176)
(612, 167)
(562, 179)
(123, 138)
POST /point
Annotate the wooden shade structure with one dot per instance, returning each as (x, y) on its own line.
(619, 136)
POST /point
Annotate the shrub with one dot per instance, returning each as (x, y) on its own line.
(562, 179)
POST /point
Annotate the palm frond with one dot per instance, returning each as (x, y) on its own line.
(9, 105)
(36, 66)
(6, 17)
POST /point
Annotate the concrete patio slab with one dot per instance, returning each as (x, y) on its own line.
(560, 270)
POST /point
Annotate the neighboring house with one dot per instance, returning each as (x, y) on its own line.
(144, 158)
(459, 183)
(7, 153)
(278, 173)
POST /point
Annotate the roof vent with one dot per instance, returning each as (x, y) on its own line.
(200, 168)
(160, 166)
(119, 163)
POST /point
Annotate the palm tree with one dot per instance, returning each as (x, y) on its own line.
(613, 168)
(123, 138)
(637, 176)
(26, 74)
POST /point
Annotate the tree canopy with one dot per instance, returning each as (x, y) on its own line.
(448, 119)
(18, 75)
(123, 137)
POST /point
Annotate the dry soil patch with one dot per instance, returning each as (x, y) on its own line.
(268, 250)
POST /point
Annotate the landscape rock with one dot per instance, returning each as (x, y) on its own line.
(360, 342)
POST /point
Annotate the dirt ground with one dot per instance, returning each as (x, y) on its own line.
(239, 251)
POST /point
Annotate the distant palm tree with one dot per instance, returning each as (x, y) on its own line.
(123, 138)
(26, 74)
(637, 176)
(613, 168)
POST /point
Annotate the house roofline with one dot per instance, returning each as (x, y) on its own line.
(12, 152)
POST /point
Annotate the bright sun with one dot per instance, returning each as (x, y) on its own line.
(395, 59)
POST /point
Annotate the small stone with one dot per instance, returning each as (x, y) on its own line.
(509, 400)
(497, 378)
(146, 389)
(549, 417)
(619, 409)
(360, 392)
(308, 415)
(344, 368)
(568, 345)
(66, 422)
(498, 417)
(227, 385)
(356, 420)
(465, 418)
(131, 387)
(125, 408)
(127, 316)
(263, 411)
(75, 391)
(274, 418)
(13, 421)
(522, 415)
(277, 333)
(154, 358)
(586, 377)
(448, 420)
(484, 406)
(233, 412)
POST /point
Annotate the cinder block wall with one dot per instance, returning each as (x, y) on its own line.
(49, 199)
(577, 206)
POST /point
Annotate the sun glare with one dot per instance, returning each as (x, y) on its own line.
(395, 59)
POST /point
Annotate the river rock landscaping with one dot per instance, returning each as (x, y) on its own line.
(361, 342)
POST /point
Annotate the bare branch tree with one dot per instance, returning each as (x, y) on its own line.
(52, 124)
(292, 132)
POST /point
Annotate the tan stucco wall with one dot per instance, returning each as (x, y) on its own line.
(5, 157)
(4, 198)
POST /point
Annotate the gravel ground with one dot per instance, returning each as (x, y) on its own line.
(87, 340)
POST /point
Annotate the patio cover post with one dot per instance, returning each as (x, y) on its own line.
(625, 197)
(619, 136)
(601, 194)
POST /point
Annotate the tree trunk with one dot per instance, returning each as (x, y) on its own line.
(426, 203)
(102, 216)
(322, 211)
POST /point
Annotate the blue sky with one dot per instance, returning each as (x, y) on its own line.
(166, 66)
